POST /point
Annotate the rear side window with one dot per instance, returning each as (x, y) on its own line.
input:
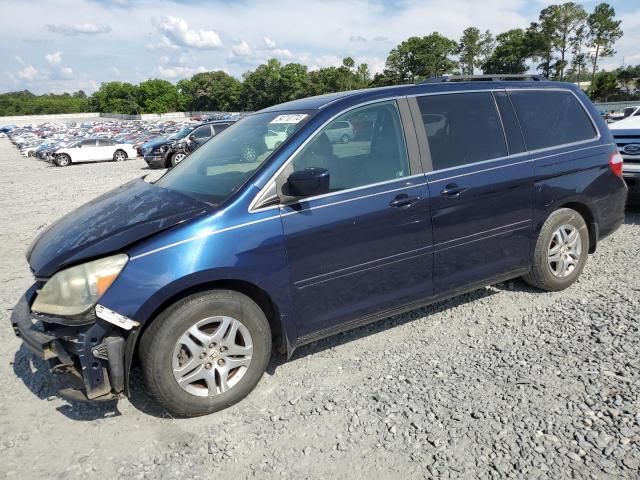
(462, 128)
(551, 118)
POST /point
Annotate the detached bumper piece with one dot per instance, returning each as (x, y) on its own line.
(93, 353)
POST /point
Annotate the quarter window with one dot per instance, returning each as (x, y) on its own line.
(363, 146)
(462, 128)
(551, 118)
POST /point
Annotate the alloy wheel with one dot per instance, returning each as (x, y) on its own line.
(212, 356)
(564, 251)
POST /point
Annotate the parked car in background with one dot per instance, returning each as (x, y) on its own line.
(340, 132)
(626, 134)
(625, 113)
(462, 184)
(93, 150)
(171, 152)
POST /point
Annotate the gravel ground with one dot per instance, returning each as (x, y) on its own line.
(502, 382)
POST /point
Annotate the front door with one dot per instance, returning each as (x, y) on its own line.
(366, 246)
(482, 188)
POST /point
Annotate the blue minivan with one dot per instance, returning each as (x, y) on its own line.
(444, 187)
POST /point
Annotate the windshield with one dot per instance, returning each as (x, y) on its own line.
(225, 162)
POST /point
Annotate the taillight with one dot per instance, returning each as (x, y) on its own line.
(615, 163)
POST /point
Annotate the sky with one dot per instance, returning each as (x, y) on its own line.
(67, 45)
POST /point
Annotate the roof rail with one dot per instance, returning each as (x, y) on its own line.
(484, 78)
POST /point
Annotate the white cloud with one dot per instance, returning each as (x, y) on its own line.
(28, 73)
(85, 28)
(269, 43)
(177, 72)
(54, 58)
(281, 54)
(66, 72)
(20, 60)
(176, 32)
(241, 49)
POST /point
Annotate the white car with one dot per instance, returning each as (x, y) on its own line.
(626, 134)
(340, 132)
(93, 150)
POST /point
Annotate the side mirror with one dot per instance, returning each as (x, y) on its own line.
(308, 182)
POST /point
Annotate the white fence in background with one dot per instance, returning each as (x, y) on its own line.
(60, 117)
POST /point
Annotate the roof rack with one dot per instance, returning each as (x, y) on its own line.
(484, 78)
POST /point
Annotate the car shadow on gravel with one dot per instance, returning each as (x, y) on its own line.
(34, 373)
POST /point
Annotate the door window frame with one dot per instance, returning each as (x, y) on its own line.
(265, 199)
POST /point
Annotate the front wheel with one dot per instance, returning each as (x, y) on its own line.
(561, 251)
(206, 352)
(345, 138)
(248, 154)
(177, 157)
(62, 160)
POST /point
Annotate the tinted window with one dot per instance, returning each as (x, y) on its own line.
(88, 143)
(515, 140)
(550, 118)
(376, 155)
(462, 128)
(103, 142)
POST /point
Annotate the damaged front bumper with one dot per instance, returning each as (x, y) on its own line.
(94, 352)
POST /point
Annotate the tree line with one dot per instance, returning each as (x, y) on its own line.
(566, 43)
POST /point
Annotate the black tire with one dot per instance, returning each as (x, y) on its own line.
(119, 156)
(345, 138)
(158, 342)
(62, 160)
(541, 274)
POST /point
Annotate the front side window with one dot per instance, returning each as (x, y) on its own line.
(202, 132)
(225, 162)
(462, 128)
(551, 118)
(374, 153)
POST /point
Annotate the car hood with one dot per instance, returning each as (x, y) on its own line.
(629, 123)
(110, 223)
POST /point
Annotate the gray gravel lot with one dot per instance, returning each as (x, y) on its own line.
(502, 382)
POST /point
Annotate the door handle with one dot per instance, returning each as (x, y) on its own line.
(403, 200)
(452, 190)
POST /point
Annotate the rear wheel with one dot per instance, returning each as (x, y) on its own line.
(62, 160)
(561, 251)
(345, 138)
(119, 156)
(206, 352)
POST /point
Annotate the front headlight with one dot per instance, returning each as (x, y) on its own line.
(75, 290)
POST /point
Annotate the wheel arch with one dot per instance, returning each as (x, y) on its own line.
(588, 216)
(279, 335)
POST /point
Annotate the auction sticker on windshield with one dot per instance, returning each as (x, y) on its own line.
(294, 118)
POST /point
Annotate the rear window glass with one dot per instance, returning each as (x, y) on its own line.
(551, 118)
(462, 128)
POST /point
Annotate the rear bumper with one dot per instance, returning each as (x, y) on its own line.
(93, 352)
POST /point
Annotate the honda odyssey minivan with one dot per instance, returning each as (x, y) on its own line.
(459, 184)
